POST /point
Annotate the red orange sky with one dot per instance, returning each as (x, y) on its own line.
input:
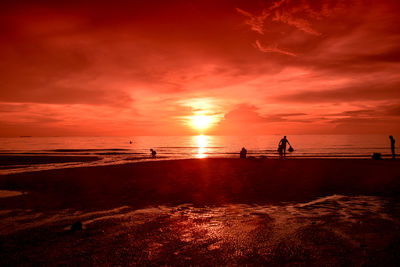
(147, 67)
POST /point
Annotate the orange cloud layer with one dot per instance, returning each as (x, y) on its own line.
(147, 67)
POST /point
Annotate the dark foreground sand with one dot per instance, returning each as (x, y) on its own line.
(205, 212)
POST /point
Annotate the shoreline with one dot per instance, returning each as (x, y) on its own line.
(25, 159)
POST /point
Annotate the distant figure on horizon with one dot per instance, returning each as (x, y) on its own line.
(243, 153)
(282, 147)
(392, 141)
(130, 142)
(153, 153)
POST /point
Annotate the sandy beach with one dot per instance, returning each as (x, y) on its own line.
(205, 211)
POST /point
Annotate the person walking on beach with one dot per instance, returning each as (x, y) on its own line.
(392, 141)
(282, 146)
(153, 153)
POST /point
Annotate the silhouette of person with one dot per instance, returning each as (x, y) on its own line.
(243, 153)
(392, 141)
(153, 153)
(282, 146)
(280, 151)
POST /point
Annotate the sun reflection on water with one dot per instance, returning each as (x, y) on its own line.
(202, 143)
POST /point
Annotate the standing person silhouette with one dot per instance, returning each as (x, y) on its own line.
(282, 146)
(392, 141)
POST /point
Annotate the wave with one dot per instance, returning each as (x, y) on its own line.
(88, 150)
(178, 147)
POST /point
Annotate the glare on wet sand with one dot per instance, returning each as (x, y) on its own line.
(327, 230)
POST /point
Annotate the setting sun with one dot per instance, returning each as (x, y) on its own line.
(201, 122)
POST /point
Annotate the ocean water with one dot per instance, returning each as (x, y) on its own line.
(116, 150)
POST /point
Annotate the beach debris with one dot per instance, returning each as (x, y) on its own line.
(76, 226)
(377, 156)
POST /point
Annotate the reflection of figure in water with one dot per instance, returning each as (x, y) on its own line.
(243, 153)
(392, 141)
(282, 146)
(153, 153)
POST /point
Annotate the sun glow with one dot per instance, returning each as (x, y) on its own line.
(207, 113)
(201, 122)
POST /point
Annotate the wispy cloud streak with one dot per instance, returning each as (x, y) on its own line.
(280, 11)
(256, 23)
(272, 49)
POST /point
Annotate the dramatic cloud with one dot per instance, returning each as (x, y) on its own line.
(287, 13)
(146, 67)
(359, 92)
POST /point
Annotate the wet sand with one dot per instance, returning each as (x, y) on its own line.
(9, 161)
(205, 212)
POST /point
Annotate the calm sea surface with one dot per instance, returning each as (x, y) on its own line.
(115, 150)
